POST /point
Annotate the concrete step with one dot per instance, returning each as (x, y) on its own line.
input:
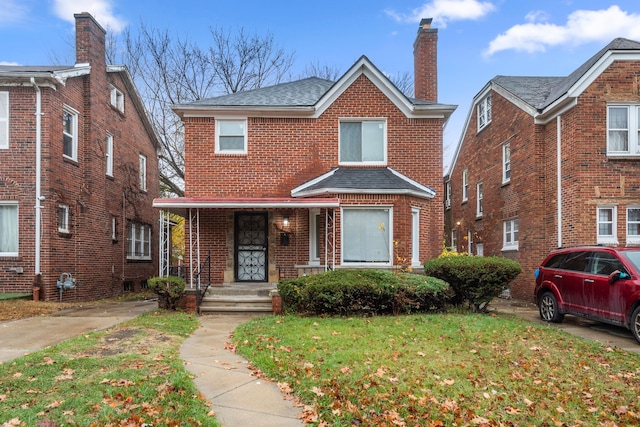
(238, 298)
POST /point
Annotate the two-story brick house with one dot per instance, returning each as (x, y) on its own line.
(314, 174)
(548, 162)
(78, 173)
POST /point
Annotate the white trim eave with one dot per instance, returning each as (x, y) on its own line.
(324, 191)
(77, 71)
(559, 107)
(300, 188)
(599, 67)
(430, 191)
(515, 100)
(47, 79)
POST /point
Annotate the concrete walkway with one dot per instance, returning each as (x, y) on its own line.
(238, 398)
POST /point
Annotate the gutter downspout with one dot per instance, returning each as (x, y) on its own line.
(559, 176)
(39, 197)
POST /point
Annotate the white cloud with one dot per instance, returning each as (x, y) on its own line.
(12, 12)
(443, 11)
(582, 26)
(8, 63)
(101, 10)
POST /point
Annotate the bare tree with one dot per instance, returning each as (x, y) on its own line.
(403, 81)
(327, 72)
(170, 70)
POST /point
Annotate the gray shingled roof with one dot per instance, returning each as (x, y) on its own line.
(299, 93)
(540, 92)
(379, 180)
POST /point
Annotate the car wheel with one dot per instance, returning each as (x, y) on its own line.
(549, 308)
(634, 324)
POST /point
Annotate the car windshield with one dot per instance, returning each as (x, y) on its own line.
(634, 257)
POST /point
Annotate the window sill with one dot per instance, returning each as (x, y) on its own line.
(513, 248)
(505, 183)
(65, 234)
(607, 242)
(140, 260)
(69, 160)
(478, 217)
(625, 156)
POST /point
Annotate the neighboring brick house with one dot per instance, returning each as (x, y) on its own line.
(548, 162)
(312, 174)
(78, 173)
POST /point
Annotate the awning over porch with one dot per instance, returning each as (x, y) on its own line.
(180, 205)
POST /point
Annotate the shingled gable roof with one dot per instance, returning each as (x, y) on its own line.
(310, 97)
(362, 181)
(542, 97)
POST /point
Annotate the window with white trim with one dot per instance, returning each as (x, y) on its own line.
(447, 192)
(117, 99)
(510, 234)
(108, 153)
(70, 133)
(506, 162)
(633, 224)
(143, 172)
(607, 217)
(465, 185)
(484, 112)
(479, 199)
(63, 219)
(4, 120)
(415, 236)
(8, 229)
(366, 235)
(231, 136)
(623, 130)
(138, 241)
(314, 236)
(363, 142)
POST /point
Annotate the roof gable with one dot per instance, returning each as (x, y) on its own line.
(310, 97)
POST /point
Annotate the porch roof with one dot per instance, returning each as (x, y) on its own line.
(181, 204)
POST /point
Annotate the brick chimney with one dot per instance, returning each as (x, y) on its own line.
(425, 62)
(90, 40)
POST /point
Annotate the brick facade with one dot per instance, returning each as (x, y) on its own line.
(287, 150)
(589, 176)
(97, 261)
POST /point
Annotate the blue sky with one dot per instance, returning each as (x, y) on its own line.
(478, 39)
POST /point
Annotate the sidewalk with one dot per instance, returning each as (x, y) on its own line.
(238, 398)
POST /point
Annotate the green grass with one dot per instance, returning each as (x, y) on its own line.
(444, 370)
(128, 375)
(13, 295)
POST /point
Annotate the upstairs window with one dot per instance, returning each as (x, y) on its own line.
(231, 136)
(8, 229)
(70, 133)
(117, 99)
(138, 241)
(465, 185)
(363, 142)
(506, 163)
(109, 154)
(484, 112)
(623, 130)
(4, 120)
(143, 172)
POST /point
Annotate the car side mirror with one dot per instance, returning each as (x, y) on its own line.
(617, 275)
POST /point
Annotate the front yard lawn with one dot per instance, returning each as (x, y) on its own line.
(443, 370)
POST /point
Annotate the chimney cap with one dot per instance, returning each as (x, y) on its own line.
(425, 23)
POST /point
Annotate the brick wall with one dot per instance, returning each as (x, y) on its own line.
(87, 251)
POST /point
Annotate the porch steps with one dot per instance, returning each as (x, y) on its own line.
(238, 298)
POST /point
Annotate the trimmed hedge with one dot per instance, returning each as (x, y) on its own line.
(474, 279)
(170, 288)
(363, 292)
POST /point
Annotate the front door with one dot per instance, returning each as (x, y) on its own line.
(251, 246)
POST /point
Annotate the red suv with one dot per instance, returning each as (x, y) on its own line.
(597, 282)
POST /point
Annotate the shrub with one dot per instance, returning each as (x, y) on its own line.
(170, 288)
(475, 280)
(363, 292)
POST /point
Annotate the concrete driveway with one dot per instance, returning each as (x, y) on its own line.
(614, 336)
